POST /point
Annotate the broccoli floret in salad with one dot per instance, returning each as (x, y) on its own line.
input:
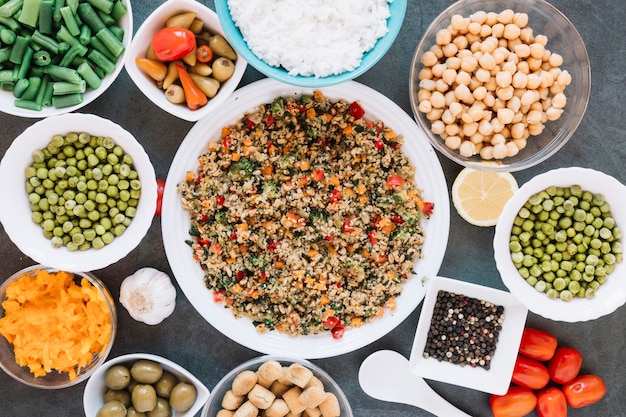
(242, 169)
(270, 190)
(277, 108)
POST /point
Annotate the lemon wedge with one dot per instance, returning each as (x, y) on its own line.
(480, 196)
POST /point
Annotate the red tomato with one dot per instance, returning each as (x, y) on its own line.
(537, 344)
(565, 365)
(356, 110)
(160, 189)
(517, 402)
(394, 180)
(530, 373)
(551, 403)
(584, 390)
(172, 43)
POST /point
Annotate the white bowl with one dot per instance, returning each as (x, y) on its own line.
(7, 98)
(214, 404)
(497, 378)
(93, 397)
(142, 40)
(611, 295)
(16, 216)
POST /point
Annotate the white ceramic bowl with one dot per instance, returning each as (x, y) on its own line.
(55, 380)
(7, 98)
(563, 38)
(214, 404)
(93, 396)
(610, 295)
(142, 40)
(397, 9)
(16, 215)
(497, 378)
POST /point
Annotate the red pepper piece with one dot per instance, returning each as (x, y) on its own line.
(356, 110)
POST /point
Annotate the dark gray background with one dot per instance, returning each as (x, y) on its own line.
(189, 340)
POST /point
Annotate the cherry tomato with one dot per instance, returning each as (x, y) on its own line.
(394, 180)
(551, 403)
(160, 189)
(172, 43)
(584, 390)
(356, 110)
(537, 344)
(530, 373)
(517, 402)
(564, 365)
(204, 53)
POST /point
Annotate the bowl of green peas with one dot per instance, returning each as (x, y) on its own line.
(82, 192)
(558, 244)
(58, 56)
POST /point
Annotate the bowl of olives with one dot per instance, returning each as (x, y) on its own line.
(139, 383)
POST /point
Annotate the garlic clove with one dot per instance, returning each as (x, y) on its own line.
(148, 295)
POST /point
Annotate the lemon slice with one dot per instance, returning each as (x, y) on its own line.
(480, 196)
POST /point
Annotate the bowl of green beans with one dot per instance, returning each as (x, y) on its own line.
(558, 244)
(83, 192)
(58, 56)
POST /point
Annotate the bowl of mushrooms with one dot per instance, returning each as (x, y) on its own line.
(500, 85)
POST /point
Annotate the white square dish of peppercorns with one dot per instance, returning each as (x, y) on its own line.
(467, 335)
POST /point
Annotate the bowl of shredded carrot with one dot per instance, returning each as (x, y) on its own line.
(56, 327)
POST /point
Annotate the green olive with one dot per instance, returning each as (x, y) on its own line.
(131, 385)
(112, 409)
(221, 47)
(183, 396)
(165, 385)
(117, 377)
(131, 412)
(162, 409)
(144, 397)
(146, 371)
(121, 395)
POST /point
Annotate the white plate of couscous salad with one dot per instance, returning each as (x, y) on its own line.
(302, 221)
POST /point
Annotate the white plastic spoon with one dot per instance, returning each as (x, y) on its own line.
(385, 375)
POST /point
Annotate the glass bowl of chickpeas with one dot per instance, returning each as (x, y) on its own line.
(274, 385)
(558, 244)
(83, 192)
(500, 85)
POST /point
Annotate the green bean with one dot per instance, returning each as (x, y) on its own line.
(33, 88)
(104, 5)
(99, 46)
(70, 20)
(85, 35)
(64, 87)
(102, 61)
(29, 14)
(11, 7)
(45, 16)
(19, 48)
(25, 65)
(89, 16)
(110, 42)
(66, 100)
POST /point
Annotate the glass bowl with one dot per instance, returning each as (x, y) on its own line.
(141, 42)
(7, 98)
(17, 219)
(610, 295)
(397, 10)
(214, 403)
(563, 39)
(54, 379)
(93, 396)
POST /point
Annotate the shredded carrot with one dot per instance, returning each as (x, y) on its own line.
(49, 309)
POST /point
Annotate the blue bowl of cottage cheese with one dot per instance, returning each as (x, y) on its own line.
(316, 43)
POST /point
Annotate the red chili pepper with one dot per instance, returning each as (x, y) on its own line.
(172, 43)
(584, 390)
(338, 332)
(203, 241)
(356, 110)
(565, 365)
(395, 180)
(551, 403)
(537, 344)
(530, 373)
(379, 145)
(232, 236)
(204, 53)
(517, 402)
(372, 237)
(331, 322)
(160, 189)
(427, 207)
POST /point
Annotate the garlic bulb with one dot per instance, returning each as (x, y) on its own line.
(148, 295)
